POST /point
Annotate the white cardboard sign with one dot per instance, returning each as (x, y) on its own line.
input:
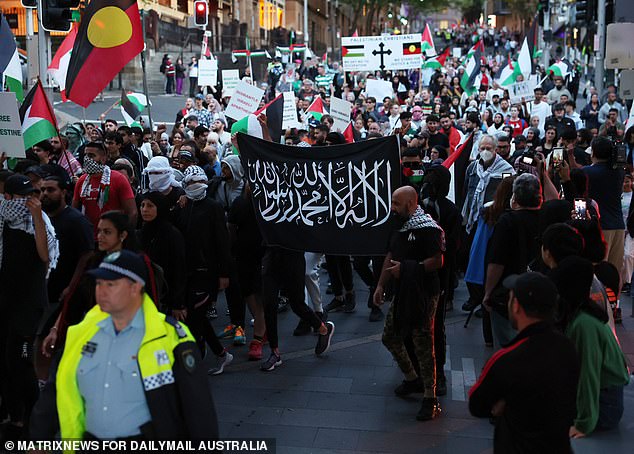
(340, 113)
(520, 90)
(11, 140)
(208, 72)
(369, 53)
(230, 79)
(379, 89)
(244, 101)
(289, 115)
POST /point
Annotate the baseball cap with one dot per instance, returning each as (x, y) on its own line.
(184, 154)
(119, 265)
(313, 123)
(18, 185)
(532, 290)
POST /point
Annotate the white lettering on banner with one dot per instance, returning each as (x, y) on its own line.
(230, 79)
(207, 72)
(244, 101)
(370, 53)
(340, 113)
(11, 140)
(320, 192)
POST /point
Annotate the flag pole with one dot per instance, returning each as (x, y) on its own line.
(145, 89)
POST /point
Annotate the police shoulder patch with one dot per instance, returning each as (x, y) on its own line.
(177, 326)
(189, 360)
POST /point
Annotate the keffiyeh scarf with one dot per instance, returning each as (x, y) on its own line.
(15, 215)
(91, 167)
(419, 220)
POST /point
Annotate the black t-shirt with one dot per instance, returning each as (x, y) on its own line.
(75, 235)
(438, 139)
(22, 282)
(514, 241)
(249, 240)
(419, 245)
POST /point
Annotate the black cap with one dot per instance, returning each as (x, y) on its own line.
(119, 265)
(184, 154)
(533, 290)
(36, 170)
(520, 138)
(18, 185)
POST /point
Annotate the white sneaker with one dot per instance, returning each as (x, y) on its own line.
(223, 361)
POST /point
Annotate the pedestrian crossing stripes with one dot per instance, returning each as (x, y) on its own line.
(461, 380)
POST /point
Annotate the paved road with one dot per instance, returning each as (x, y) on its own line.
(344, 402)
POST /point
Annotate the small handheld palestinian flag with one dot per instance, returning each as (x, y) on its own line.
(10, 67)
(37, 117)
(427, 45)
(132, 104)
(316, 109)
(58, 69)
(437, 62)
(562, 68)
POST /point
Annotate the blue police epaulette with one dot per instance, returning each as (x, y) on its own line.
(179, 328)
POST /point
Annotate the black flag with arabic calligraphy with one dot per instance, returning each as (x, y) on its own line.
(333, 199)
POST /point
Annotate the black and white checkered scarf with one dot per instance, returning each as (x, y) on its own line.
(15, 215)
(419, 220)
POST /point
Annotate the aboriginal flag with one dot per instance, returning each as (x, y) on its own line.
(109, 36)
(411, 49)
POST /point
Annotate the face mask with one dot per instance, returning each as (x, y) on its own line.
(486, 155)
(160, 182)
(196, 191)
(92, 167)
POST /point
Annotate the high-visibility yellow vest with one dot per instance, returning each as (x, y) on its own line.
(155, 360)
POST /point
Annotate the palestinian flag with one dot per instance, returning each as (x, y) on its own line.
(472, 71)
(427, 45)
(437, 62)
(260, 53)
(353, 51)
(251, 126)
(412, 49)
(10, 66)
(348, 134)
(58, 69)
(527, 51)
(507, 75)
(479, 45)
(109, 36)
(562, 68)
(37, 117)
(316, 109)
(132, 104)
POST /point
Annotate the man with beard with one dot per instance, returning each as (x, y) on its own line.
(75, 235)
(224, 137)
(450, 131)
(435, 136)
(415, 255)
(559, 89)
(100, 190)
(529, 387)
(61, 156)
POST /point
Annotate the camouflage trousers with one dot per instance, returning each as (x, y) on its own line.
(423, 340)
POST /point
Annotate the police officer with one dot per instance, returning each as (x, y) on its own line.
(127, 371)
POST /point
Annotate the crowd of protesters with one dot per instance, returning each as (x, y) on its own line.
(544, 187)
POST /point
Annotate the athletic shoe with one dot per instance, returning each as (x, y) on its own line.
(302, 329)
(376, 314)
(223, 361)
(271, 363)
(335, 305)
(430, 409)
(350, 303)
(410, 387)
(323, 341)
(255, 350)
(211, 313)
(239, 338)
(228, 333)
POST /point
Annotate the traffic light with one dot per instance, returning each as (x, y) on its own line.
(201, 13)
(29, 3)
(57, 14)
(585, 11)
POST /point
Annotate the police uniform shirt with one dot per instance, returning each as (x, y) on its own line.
(110, 381)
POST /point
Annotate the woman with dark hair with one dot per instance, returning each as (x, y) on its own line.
(498, 124)
(114, 233)
(455, 89)
(604, 370)
(550, 140)
(165, 246)
(476, 270)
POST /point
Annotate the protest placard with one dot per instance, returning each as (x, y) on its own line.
(289, 115)
(340, 113)
(244, 101)
(230, 79)
(520, 90)
(369, 53)
(11, 141)
(379, 89)
(207, 72)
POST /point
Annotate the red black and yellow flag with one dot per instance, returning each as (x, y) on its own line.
(109, 36)
(412, 49)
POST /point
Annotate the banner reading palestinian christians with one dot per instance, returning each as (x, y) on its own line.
(334, 199)
(369, 53)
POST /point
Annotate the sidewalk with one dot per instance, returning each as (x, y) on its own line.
(344, 402)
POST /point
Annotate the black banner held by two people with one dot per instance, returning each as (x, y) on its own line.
(332, 199)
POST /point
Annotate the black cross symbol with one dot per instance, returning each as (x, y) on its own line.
(381, 53)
